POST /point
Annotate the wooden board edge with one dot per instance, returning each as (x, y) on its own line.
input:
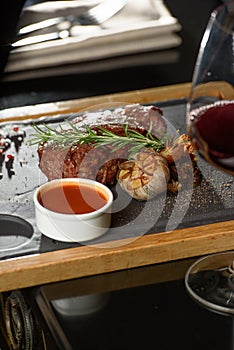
(164, 93)
(89, 260)
(117, 280)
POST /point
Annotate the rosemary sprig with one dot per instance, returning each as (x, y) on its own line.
(102, 137)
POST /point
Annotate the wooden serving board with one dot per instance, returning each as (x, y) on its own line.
(154, 247)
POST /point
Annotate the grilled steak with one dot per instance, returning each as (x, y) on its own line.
(100, 163)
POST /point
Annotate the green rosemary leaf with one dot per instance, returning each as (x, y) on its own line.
(135, 149)
(64, 137)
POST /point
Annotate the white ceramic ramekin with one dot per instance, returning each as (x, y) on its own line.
(73, 227)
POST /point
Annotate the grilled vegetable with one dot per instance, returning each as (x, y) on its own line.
(145, 176)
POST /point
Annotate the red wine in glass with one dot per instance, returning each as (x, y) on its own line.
(212, 133)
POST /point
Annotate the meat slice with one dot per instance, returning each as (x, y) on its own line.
(100, 163)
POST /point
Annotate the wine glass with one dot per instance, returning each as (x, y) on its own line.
(210, 120)
(211, 103)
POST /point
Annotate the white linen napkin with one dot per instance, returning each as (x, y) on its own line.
(142, 26)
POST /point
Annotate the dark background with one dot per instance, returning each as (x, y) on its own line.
(193, 16)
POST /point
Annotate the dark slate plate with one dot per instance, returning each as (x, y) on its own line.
(212, 201)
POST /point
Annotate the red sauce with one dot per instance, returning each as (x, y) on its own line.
(72, 198)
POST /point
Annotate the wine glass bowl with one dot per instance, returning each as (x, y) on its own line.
(210, 109)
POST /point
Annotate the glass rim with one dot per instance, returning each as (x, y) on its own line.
(205, 303)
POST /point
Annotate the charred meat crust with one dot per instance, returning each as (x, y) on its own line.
(100, 163)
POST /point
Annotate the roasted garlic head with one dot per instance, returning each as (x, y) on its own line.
(145, 176)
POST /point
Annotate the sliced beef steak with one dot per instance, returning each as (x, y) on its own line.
(101, 163)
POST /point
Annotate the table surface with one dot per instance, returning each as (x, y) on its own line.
(149, 249)
(144, 306)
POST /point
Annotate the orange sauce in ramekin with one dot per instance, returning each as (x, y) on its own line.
(72, 198)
